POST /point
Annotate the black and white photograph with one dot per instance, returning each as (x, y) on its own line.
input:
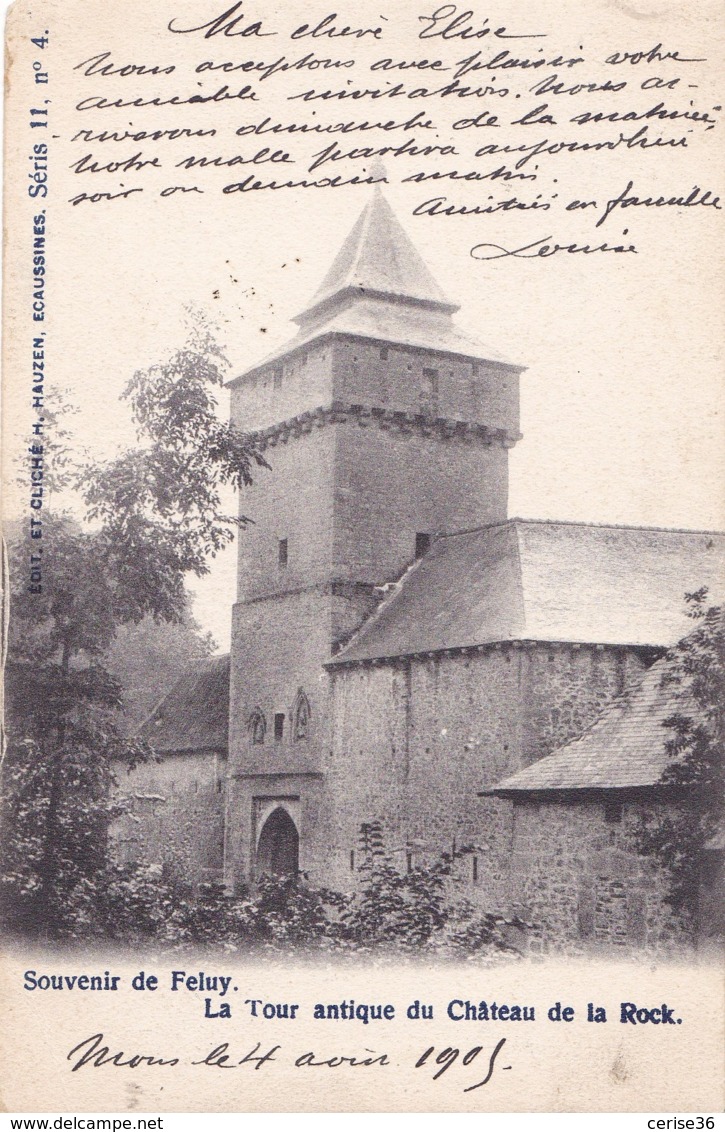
(364, 557)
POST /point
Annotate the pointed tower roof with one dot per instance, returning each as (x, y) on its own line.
(378, 260)
(380, 288)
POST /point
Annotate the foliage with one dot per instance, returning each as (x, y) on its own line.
(471, 933)
(148, 659)
(403, 910)
(63, 737)
(695, 670)
(136, 903)
(281, 914)
(391, 914)
(75, 611)
(210, 917)
(291, 915)
(414, 911)
(155, 515)
(62, 744)
(129, 904)
(159, 505)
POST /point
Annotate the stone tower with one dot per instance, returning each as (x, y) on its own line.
(385, 426)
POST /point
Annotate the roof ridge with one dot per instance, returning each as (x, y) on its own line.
(378, 256)
(306, 339)
(366, 217)
(617, 526)
(512, 519)
(147, 718)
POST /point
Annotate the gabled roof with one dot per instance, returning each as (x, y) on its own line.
(623, 749)
(379, 258)
(194, 715)
(526, 580)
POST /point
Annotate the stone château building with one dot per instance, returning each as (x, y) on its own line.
(399, 645)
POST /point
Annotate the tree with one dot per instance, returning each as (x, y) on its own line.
(62, 730)
(152, 516)
(679, 841)
(148, 659)
(159, 505)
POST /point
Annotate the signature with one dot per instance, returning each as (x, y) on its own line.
(541, 249)
(93, 1052)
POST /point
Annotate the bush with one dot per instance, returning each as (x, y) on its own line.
(414, 912)
(390, 913)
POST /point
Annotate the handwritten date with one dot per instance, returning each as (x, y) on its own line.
(93, 1052)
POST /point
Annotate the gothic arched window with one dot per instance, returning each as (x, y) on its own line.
(257, 725)
(301, 716)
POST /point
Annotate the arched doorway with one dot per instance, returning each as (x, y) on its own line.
(278, 849)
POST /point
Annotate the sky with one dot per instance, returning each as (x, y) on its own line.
(622, 403)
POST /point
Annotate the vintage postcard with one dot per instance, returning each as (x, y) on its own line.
(363, 510)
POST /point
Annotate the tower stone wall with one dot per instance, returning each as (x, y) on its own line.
(394, 479)
(284, 388)
(377, 440)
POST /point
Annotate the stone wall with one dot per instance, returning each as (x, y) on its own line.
(414, 741)
(565, 687)
(253, 797)
(377, 373)
(280, 645)
(292, 501)
(293, 384)
(412, 380)
(175, 815)
(411, 743)
(347, 492)
(577, 877)
(393, 481)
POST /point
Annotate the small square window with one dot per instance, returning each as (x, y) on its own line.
(283, 552)
(422, 543)
(432, 376)
(279, 725)
(612, 813)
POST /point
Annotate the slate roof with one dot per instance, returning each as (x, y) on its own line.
(380, 321)
(379, 288)
(194, 715)
(528, 580)
(378, 256)
(623, 749)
